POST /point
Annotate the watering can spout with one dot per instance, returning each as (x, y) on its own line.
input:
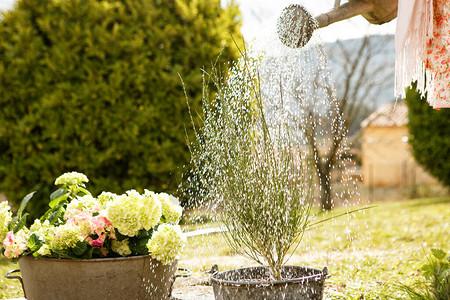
(295, 25)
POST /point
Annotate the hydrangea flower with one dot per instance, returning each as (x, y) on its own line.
(123, 213)
(151, 212)
(170, 208)
(44, 250)
(95, 221)
(15, 244)
(45, 230)
(83, 221)
(132, 212)
(67, 236)
(105, 197)
(72, 178)
(121, 247)
(79, 205)
(166, 243)
(101, 227)
(5, 219)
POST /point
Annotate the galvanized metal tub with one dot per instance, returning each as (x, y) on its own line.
(300, 283)
(135, 277)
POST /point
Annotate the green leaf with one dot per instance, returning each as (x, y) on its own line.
(80, 248)
(58, 200)
(139, 246)
(56, 214)
(82, 191)
(24, 203)
(64, 253)
(427, 268)
(47, 213)
(13, 223)
(120, 237)
(88, 254)
(58, 193)
(21, 223)
(438, 253)
(35, 241)
(143, 233)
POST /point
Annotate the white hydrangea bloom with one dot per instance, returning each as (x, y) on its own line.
(132, 212)
(166, 243)
(73, 178)
(5, 219)
(123, 213)
(45, 230)
(151, 213)
(170, 208)
(67, 236)
(44, 250)
(121, 247)
(106, 197)
(85, 204)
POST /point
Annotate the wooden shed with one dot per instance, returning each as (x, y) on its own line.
(386, 153)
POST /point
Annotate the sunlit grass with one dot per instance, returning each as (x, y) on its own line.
(9, 288)
(366, 254)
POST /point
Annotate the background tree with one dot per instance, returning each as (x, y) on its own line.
(429, 136)
(93, 86)
(334, 106)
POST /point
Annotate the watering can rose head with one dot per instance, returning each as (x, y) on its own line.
(80, 226)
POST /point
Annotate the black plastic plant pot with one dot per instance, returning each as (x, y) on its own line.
(299, 283)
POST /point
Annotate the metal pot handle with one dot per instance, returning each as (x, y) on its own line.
(186, 272)
(325, 274)
(8, 276)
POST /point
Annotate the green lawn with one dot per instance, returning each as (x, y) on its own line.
(366, 253)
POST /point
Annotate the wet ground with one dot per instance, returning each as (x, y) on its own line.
(193, 287)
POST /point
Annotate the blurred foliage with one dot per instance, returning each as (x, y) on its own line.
(430, 135)
(94, 86)
(435, 284)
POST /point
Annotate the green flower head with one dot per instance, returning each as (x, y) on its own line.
(170, 208)
(132, 212)
(121, 247)
(166, 243)
(67, 236)
(71, 178)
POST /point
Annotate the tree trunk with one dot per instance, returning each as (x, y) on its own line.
(326, 202)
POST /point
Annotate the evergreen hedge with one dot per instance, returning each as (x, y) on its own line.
(93, 86)
(430, 136)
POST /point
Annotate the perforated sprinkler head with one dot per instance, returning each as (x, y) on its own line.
(295, 26)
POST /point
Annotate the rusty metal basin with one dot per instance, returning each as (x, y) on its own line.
(135, 277)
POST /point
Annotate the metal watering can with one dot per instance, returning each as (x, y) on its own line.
(296, 25)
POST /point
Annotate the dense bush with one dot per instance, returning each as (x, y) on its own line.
(430, 136)
(93, 86)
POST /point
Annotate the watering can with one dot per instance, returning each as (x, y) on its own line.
(296, 25)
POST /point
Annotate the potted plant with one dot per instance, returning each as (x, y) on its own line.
(253, 168)
(112, 246)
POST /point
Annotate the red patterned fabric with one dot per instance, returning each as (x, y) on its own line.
(437, 58)
(422, 41)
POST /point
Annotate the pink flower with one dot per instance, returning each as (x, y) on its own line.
(9, 239)
(100, 226)
(15, 244)
(98, 242)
